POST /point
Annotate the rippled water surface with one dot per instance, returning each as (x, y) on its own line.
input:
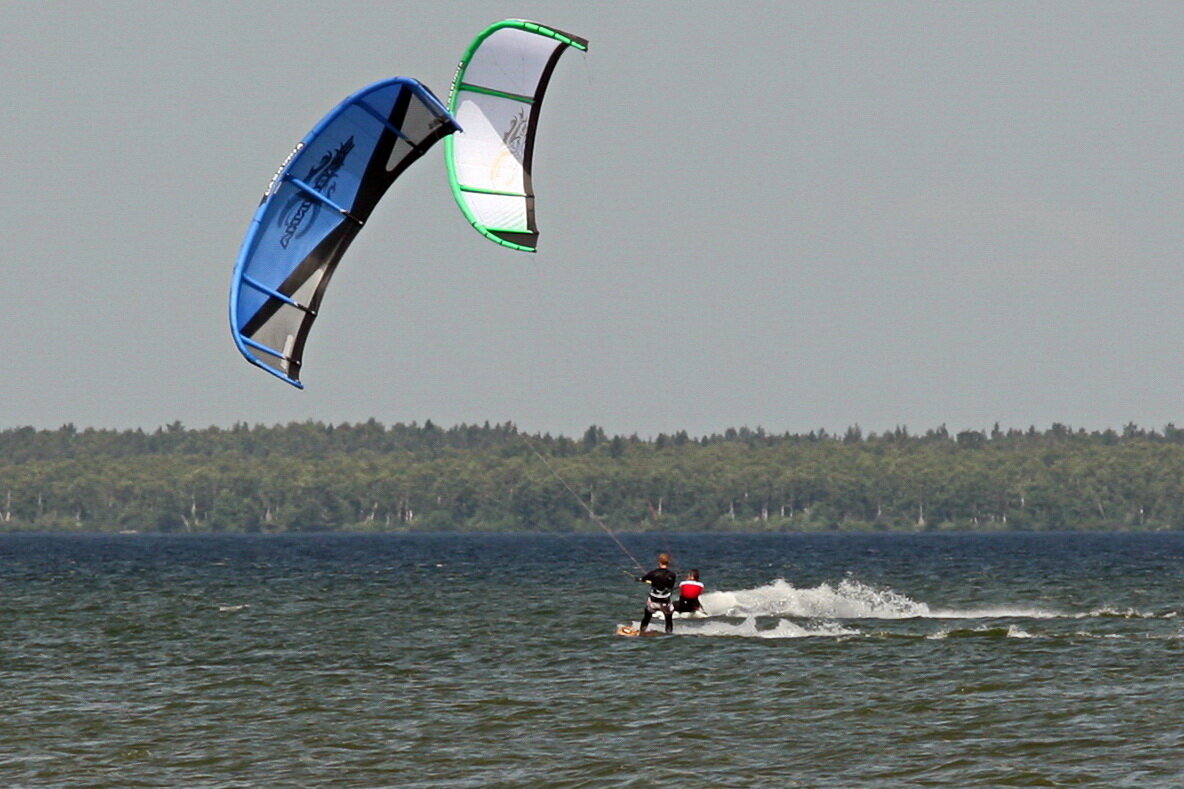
(468, 660)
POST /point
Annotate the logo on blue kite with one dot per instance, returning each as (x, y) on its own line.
(322, 176)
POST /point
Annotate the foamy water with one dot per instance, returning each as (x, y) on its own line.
(752, 627)
(781, 610)
(849, 599)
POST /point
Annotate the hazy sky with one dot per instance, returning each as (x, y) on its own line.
(787, 214)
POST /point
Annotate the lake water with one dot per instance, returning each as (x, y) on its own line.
(491, 660)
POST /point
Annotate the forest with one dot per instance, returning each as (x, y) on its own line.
(311, 476)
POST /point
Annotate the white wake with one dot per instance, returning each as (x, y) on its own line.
(848, 599)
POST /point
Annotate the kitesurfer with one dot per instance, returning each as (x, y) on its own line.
(661, 580)
(688, 594)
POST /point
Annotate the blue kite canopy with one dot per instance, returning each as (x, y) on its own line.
(313, 208)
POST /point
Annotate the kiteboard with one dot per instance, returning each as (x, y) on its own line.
(633, 632)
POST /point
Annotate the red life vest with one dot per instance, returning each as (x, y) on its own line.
(689, 590)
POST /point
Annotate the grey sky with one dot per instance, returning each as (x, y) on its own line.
(785, 214)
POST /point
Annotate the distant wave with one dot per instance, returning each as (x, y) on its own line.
(750, 629)
(1127, 613)
(986, 631)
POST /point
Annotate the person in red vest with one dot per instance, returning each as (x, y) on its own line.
(688, 594)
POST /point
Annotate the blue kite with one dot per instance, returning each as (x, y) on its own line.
(313, 208)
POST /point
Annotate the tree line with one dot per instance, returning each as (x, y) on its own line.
(410, 477)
